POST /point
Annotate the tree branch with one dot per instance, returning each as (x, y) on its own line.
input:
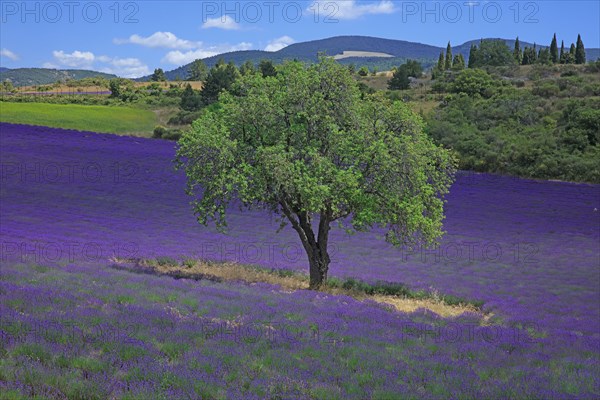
(304, 238)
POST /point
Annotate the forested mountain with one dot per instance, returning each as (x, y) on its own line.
(45, 76)
(401, 50)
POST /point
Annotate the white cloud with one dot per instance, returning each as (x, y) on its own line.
(76, 59)
(159, 39)
(180, 58)
(224, 22)
(279, 43)
(9, 54)
(124, 67)
(349, 9)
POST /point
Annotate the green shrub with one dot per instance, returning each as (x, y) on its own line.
(165, 261)
(159, 132)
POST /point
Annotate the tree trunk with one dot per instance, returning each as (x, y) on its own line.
(318, 258)
(319, 265)
(315, 247)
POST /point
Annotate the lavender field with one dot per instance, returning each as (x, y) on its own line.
(72, 326)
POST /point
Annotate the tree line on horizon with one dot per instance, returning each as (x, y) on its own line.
(497, 53)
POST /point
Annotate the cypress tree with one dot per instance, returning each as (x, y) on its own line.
(448, 63)
(517, 51)
(554, 50)
(562, 52)
(525, 60)
(458, 63)
(544, 56)
(473, 56)
(440, 64)
(579, 51)
(529, 56)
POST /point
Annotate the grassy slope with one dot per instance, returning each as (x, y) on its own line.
(121, 120)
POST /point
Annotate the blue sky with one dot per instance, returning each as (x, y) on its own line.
(131, 38)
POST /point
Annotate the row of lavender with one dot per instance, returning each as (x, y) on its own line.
(97, 333)
(528, 249)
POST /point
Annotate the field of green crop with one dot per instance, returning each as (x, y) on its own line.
(107, 119)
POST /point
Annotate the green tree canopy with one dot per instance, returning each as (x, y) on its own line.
(473, 56)
(579, 51)
(458, 64)
(120, 87)
(448, 60)
(400, 79)
(221, 77)
(190, 99)
(529, 56)
(492, 53)
(554, 50)
(474, 81)
(198, 71)
(158, 75)
(247, 68)
(441, 64)
(544, 56)
(305, 146)
(267, 68)
(517, 53)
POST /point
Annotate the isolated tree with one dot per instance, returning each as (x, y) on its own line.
(158, 75)
(198, 71)
(305, 146)
(448, 61)
(579, 51)
(554, 50)
(352, 68)
(363, 71)
(517, 53)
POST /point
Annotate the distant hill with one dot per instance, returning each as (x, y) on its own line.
(45, 76)
(308, 52)
(400, 50)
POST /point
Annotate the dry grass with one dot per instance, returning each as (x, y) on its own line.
(378, 82)
(163, 114)
(424, 106)
(292, 282)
